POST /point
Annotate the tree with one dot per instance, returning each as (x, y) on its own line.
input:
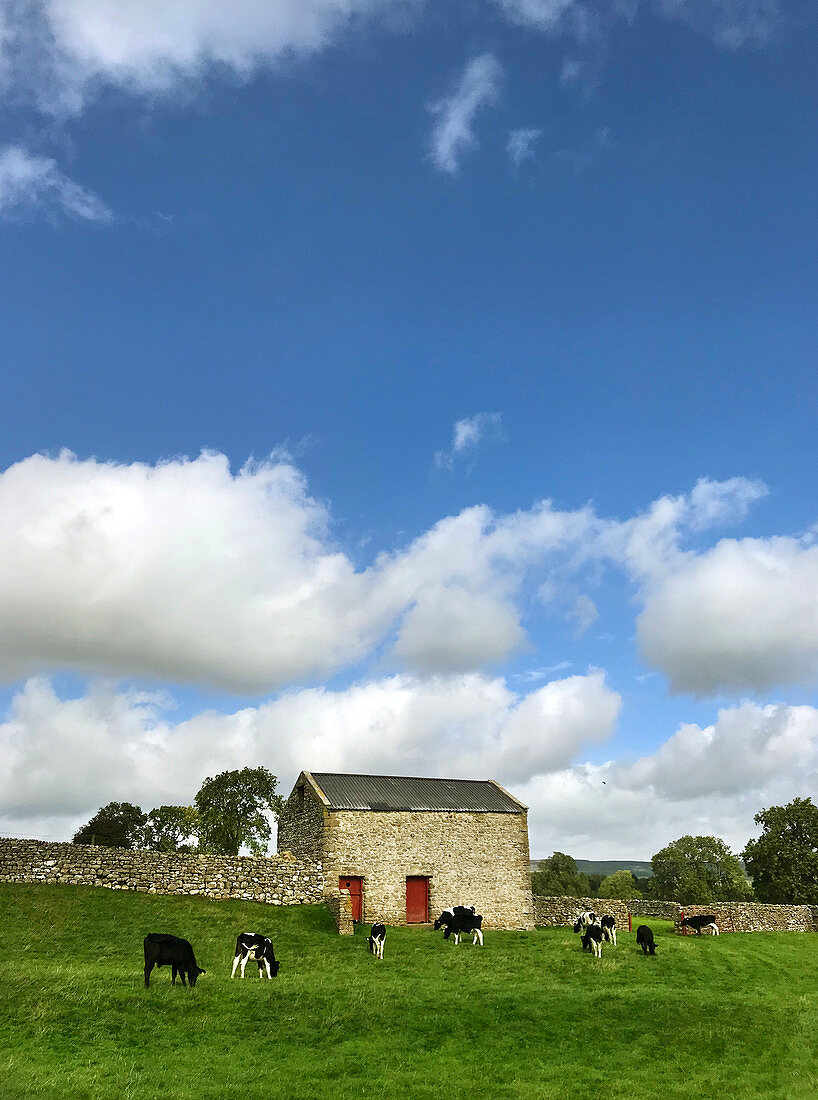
(698, 869)
(233, 811)
(117, 825)
(783, 861)
(594, 883)
(621, 884)
(171, 829)
(558, 877)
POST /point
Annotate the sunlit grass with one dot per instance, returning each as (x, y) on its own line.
(527, 1016)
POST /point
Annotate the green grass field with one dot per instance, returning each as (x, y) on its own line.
(528, 1016)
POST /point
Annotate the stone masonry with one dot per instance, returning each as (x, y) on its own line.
(280, 880)
(561, 912)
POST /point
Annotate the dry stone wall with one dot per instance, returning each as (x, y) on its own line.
(659, 910)
(279, 880)
(561, 912)
(339, 904)
(745, 916)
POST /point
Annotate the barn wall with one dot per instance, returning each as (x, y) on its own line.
(469, 858)
(302, 823)
(279, 880)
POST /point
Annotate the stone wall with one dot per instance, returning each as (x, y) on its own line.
(659, 910)
(469, 858)
(279, 880)
(339, 904)
(562, 912)
(747, 916)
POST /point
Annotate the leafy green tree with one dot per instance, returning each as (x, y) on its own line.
(698, 869)
(233, 810)
(594, 883)
(171, 829)
(620, 884)
(558, 877)
(117, 825)
(783, 861)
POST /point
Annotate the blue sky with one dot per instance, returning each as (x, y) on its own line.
(306, 313)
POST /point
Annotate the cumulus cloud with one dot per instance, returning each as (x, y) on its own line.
(742, 616)
(453, 134)
(65, 757)
(468, 435)
(188, 572)
(31, 183)
(710, 780)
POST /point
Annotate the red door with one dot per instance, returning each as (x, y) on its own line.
(417, 900)
(355, 885)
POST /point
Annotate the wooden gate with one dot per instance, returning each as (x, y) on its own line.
(355, 885)
(417, 900)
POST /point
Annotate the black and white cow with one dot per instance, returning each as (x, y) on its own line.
(608, 926)
(584, 920)
(252, 945)
(592, 940)
(644, 939)
(701, 922)
(164, 950)
(376, 939)
(461, 920)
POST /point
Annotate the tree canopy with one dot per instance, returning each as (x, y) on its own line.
(698, 869)
(117, 825)
(171, 828)
(234, 809)
(558, 877)
(783, 861)
(620, 884)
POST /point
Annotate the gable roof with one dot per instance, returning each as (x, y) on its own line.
(398, 792)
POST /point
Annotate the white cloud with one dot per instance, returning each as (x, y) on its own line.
(186, 572)
(730, 23)
(31, 183)
(468, 435)
(65, 758)
(521, 144)
(742, 616)
(545, 15)
(701, 781)
(453, 133)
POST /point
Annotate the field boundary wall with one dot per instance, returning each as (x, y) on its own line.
(274, 880)
(562, 912)
(748, 916)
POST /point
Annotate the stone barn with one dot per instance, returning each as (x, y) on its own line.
(406, 848)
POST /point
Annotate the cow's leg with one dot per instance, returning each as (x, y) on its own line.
(260, 967)
(244, 963)
(267, 965)
(173, 974)
(479, 932)
(236, 962)
(613, 933)
(148, 969)
(715, 928)
(182, 975)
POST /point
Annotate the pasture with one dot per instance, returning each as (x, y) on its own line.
(527, 1016)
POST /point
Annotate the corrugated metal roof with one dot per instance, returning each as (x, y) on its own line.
(398, 792)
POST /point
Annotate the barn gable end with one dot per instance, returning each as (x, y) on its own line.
(454, 841)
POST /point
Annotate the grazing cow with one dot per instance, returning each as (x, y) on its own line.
(701, 922)
(252, 945)
(164, 950)
(376, 939)
(460, 920)
(644, 939)
(592, 940)
(608, 926)
(585, 919)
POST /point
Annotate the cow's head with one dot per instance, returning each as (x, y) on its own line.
(193, 973)
(274, 965)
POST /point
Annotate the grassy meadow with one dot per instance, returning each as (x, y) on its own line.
(528, 1016)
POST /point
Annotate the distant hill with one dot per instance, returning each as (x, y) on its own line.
(639, 867)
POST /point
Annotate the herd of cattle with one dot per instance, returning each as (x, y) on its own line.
(459, 920)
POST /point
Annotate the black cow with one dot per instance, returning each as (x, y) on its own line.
(461, 920)
(700, 922)
(592, 940)
(252, 945)
(644, 939)
(376, 939)
(608, 926)
(164, 950)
